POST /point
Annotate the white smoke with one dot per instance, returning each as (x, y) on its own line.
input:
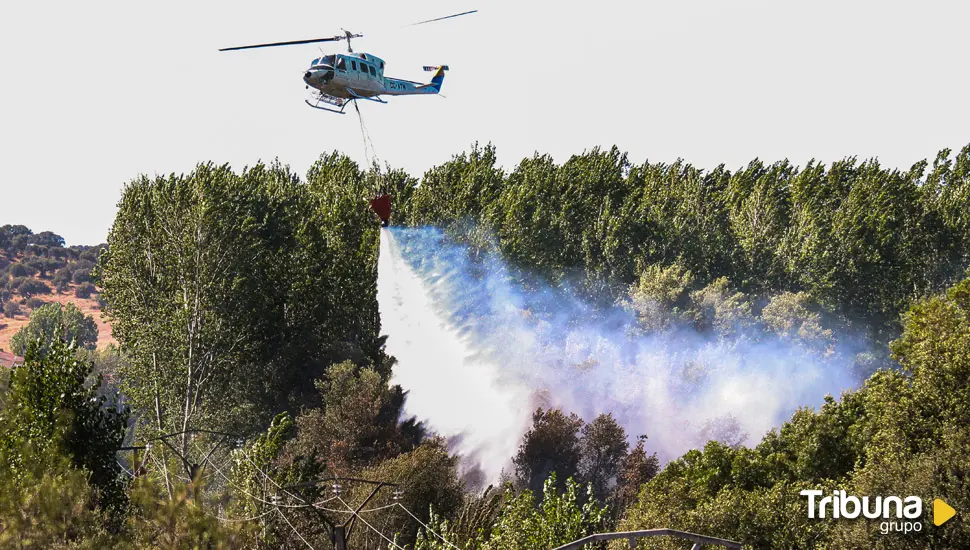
(479, 347)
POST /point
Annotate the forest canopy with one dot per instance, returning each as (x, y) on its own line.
(251, 362)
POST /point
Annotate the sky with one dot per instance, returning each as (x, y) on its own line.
(95, 94)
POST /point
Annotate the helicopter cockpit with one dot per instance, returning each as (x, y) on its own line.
(325, 60)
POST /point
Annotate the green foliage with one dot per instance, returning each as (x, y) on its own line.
(561, 517)
(358, 423)
(428, 476)
(20, 270)
(550, 446)
(11, 308)
(81, 275)
(53, 407)
(159, 521)
(602, 448)
(50, 505)
(902, 433)
(55, 322)
(230, 293)
(84, 290)
(32, 287)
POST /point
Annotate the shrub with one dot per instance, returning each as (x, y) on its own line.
(19, 270)
(34, 303)
(53, 322)
(31, 287)
(11, 308)
(4, 261)
(84, 290)
(82, 275)
(62, 278)
(91, 254)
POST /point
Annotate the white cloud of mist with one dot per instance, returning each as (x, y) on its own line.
(478, 349)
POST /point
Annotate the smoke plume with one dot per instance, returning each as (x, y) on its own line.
(480, 346)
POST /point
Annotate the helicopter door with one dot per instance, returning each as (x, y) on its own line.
(353, 73)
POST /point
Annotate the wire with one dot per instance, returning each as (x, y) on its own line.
(378, 508)
(247, 493)
(365, 135)
(310, 546)
(332, 510)
(278, 486)
(232, 520)
(428, 529)
(372, 528)
(126, 470)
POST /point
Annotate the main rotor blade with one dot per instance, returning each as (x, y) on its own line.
(442, 18)
(291, 43)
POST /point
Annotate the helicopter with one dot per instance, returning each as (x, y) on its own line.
(338, 79)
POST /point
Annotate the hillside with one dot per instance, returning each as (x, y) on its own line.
(36, 269)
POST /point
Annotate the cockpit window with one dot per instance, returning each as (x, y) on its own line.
(353, 64)
(341, 64)
(327, 60)
(315, 61)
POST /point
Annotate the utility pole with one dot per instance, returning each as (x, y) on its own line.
(340, 532)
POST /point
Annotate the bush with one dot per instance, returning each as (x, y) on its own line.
(62, 278)
(34, 303)
(11, 308)
(19, 270)
(30, 287)
(91, 254)
(84, 290)
(82, 275)
(4, 261)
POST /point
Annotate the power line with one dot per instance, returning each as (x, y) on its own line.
(247, 493)
(372, 528)
(310, 546)
(280, 487)
(428, 529)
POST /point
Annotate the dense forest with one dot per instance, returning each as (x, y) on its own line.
(250, 369)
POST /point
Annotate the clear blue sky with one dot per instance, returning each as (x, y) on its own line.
(95, 94)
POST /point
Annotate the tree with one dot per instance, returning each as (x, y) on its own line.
(230, 293)
(525, 524)
(20, 270)
(428, 477)
(32, 287)
(53, 322)
(636, 469)
(358, 423)
(602, 449)
(660, 297)
(11, 309)
(551, 445)
(62, 278)
(53, 407)
(84, 290)
(81, 275)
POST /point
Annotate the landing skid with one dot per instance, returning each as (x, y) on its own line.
(328, 100)
(339, 112)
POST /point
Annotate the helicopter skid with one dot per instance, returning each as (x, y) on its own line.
(315, 106)
(328, 100)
